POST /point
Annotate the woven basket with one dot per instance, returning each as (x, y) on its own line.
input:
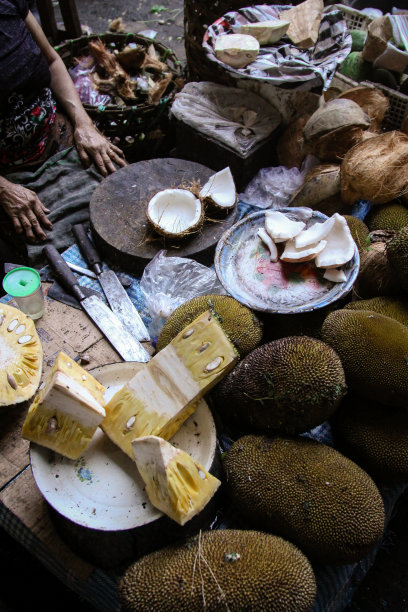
(130, 126)
(197, 17)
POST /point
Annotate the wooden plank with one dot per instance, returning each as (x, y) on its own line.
(71, 19)
(47, 18)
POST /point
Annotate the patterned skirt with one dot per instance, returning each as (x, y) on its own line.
(25, 128)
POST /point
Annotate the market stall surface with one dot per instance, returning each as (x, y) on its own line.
(26, 583)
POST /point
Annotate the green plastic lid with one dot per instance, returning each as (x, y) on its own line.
(21, 282)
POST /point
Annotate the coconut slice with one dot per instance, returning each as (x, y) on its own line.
(280, 227)
(314, 234)
(236, 50)
(175, 212)
(219, 191)
(264, 236)
(340, 245)
(293, 255)
(265, 32)
(335, 275)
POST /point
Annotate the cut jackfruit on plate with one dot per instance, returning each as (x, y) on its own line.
(244, 267)
(103, 489)
(21, 357)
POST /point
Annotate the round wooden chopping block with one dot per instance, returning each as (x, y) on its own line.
(118, 221)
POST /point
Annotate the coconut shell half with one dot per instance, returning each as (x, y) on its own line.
(337, 113)
(175, 213)
(372, 101)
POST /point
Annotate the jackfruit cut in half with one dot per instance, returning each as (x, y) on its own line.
(175, 483)
(21, 357)
(165, 392)
(64, 416)
(64, 363)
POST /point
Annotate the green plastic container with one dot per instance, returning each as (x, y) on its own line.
(24, 285)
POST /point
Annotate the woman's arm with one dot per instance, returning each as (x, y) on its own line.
(91, 144)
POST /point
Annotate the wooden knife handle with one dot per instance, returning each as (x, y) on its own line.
(62, 272)
(87, 248)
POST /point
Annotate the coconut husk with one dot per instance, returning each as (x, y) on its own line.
(290, 146)
(334, 114)
(378, 34)
(376, 169)
(135, 58)
(331, 205)
(373, 102)
(116, 74)
(333, 145)
(375, 277)
(322, 182)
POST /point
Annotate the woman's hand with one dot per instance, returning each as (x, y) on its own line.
(24, 208)
(92, 145)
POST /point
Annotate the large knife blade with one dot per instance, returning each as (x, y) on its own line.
(120, 338)
(118, 299)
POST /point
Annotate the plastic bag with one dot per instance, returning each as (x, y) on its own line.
(273, 187)
(80, 74)
(168, 282)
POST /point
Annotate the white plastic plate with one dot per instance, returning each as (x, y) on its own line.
(103, 489)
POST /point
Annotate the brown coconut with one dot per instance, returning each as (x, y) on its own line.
(333, 145)
(373, 102)
(335, 114)
(375, 277)
(290, 146)
(376, 169)
(321, 182)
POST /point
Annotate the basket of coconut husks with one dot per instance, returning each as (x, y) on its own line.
(126, 83)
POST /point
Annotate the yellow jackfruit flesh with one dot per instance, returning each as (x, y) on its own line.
(175, 483)
(161, 396)
(21, 357)
(65, 413)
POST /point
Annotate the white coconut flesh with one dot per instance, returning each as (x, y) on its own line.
(264, 236)
(236, 50)
(280, 228)
(266, 32)
(174, 212)
(315, 233)
(335, 275)
(294, 255)
(340, 245)
(220, 190)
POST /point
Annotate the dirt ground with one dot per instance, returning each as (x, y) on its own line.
(385, 587)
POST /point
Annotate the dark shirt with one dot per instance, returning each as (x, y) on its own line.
(23, 67)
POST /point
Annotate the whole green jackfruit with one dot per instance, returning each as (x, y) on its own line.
(286, 386)
(240, 324)
(359, 232)
(374, 436)
(394, 307)
(308, 493)
(373, 349)
(397, 255)
(221, 570)
(392, 216)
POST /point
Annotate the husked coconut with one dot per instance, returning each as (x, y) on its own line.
(372, 101)
(322, 182)
(340, 245)
(264, 236)
(294, 255)
(219, 191)
(336, 113)
(265, 32)
(236, 50)
(175, 212)
(335, 275)
(314, 234)
(280, 228)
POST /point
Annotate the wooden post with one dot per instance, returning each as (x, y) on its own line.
(71, 19)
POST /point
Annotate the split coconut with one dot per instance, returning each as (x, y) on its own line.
(236, 50)
(176, 213)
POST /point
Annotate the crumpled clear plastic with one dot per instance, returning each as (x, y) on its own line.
(84, 84)
(273, 187)
(168, 282)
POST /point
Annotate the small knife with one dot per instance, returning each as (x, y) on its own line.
(118, 299)
(120, 338)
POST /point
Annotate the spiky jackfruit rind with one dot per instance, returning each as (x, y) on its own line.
(375, 437)
(175, 483)
(286, 386)
(394, 307)
(359, 232)
(392, 216)
(397, 255)
(239, 323)
(161, 396)
(373, 349)
(307, 492)
(230, 569)
(21, 357)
